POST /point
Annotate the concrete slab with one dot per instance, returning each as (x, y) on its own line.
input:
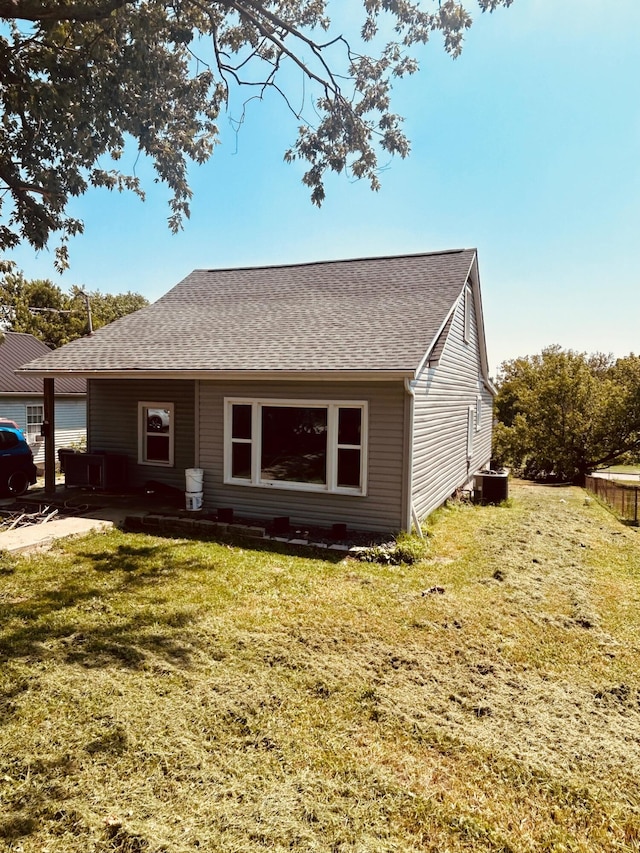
(42, 536)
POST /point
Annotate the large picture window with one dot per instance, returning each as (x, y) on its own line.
(155, 433)
(307, 445)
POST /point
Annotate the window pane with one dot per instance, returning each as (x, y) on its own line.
(349, 426)
(35, 415)
(241, 427)
(241, 460)
(158, 420)
(349, 468)
(294, 444)
(157, 448)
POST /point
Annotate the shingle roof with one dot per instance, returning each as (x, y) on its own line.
(375, 314)
(19, 348)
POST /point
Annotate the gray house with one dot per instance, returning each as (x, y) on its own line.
(345, 391)
(21, 397)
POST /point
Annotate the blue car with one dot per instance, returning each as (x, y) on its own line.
(17, 471)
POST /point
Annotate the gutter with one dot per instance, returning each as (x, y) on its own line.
(410, 513)
(225, 375)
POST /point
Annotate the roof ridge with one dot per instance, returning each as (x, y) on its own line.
(337, 261)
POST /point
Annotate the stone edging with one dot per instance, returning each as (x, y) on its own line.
(149, 523)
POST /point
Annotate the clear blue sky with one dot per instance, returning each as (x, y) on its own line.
(526, 147)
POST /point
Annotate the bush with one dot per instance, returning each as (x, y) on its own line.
(406, 549)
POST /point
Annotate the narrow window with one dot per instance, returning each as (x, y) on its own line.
(155, 433)
(241, 442)
(470, 418)
(349, 447)
(35, 416)
(478, 412)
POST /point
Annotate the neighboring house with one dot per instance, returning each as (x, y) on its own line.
(21, 396)
(349, 392)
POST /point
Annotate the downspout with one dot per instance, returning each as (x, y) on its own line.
(410, 513)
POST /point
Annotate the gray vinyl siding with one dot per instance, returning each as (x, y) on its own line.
(113, 424)
(70, 416)
(380, 509)
(443, 396)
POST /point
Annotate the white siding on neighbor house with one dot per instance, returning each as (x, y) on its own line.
(70, 426)
(112, 421)
(380, 509)
(443, 395)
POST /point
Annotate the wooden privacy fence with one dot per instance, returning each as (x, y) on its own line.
(625, 500)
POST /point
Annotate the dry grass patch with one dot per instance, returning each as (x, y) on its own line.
(164, 695)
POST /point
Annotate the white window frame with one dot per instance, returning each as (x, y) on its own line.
(333, 407)
(143, 433)
(470, 430)
(33, 430)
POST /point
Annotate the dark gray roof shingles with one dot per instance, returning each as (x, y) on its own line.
(375, 314)
(17, 349)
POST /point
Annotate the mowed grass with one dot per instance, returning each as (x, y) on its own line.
(165, 695)
(623, 469)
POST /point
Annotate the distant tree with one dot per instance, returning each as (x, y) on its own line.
(40, 308)
(564, 413)
(81, 77)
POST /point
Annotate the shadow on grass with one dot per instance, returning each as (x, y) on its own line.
(248, 543)
(80, 622)
(124, 558)
(89, 620)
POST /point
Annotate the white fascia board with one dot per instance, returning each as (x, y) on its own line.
(427, 355)
(228, 375)
(474, 276)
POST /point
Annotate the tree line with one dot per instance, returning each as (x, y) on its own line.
(42, 309)
(562, 413)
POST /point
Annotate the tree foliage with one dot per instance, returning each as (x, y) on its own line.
(564, 413)
(40, 308)
(81, 78)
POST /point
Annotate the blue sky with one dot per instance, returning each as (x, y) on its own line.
(525, 147)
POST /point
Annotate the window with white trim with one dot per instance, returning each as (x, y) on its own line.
(156, 425)
(470, 431)
(308, 445)
(35, 417)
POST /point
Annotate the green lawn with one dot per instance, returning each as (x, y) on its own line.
(165, 695)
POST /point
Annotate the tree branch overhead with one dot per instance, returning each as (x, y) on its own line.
(81, 77)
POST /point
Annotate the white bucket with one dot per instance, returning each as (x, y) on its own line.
(193, 501)
(194, 477)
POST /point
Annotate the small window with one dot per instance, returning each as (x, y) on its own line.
(470, 431)
(155, 433)
(35, 417)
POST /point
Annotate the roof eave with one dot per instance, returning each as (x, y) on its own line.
(230, 375)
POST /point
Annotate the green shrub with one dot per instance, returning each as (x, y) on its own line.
(407, 549)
